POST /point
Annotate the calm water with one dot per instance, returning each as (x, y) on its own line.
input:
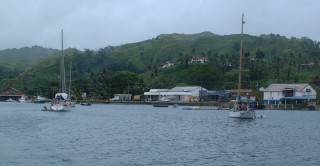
(144, 135)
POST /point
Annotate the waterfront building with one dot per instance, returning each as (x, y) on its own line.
(288, 93)
(10, 93)
(177, 94)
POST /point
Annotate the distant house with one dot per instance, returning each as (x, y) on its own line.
(176, 94)
(122, 97)
(288, 93)
(198, 60)
(167, 65)
(10, 93)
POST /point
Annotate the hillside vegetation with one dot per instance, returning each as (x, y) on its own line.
(15, 61)
(136, 67)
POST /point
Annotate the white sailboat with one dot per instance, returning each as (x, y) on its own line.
(23, 99)
(243, 107)
(61, 102)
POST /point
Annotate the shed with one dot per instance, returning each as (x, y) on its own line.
(10, 93)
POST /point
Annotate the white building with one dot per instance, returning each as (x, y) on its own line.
(198, 60)
(154, 94)
(167, 65)
(122, 97)
(288, 93)
(177, 94)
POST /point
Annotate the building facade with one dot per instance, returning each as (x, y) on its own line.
(10, 93)
(177, 94)
(288, 93)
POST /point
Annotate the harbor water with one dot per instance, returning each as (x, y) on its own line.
(107, 134)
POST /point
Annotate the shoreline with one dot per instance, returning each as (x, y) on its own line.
(223, 105)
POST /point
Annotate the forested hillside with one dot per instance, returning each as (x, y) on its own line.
(136, 67)
(15, 61)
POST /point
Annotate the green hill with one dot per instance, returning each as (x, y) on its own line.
(136, 66)
(24, 57)
(14, 61)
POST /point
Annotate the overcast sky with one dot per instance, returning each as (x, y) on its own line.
(96, 24)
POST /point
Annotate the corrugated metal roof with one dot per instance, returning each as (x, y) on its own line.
(221, 92)
(169, 93)
(186, 88)
(158, 90)
(280, 87)
(177, 93)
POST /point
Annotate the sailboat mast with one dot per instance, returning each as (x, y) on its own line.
(62, 67)
(240, 59)
(70, 80)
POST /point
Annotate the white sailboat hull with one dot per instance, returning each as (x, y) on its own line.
(61, 106)
(242, 114)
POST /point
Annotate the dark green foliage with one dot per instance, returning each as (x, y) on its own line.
(25, 57)
(206, 75)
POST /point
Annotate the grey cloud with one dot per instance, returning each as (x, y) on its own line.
(99, 23)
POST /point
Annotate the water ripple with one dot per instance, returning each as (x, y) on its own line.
(144, 135)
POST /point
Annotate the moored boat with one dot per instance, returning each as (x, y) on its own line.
(242, 108)
(201, 108)
(160, 105)
(40, 99)
(60, 103)
(24, 99)
(85, 103)
(10, 100)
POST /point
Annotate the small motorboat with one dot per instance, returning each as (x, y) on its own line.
(85, 104)
(160, 105)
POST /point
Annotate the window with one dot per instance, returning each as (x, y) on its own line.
(287, 92)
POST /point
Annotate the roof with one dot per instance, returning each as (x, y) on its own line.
(186, 88)
(280, 87)
(177, 93)
(10, 92)
(217, 92)
(199, 57)
(158, 90)
(169, 93)
(241, 90)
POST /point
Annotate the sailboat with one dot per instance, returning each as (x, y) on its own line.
(243, 107)
(84, 102)
(61, 101)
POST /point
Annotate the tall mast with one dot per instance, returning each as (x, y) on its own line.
(70, 80)
(62, 67)
(240, 59)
